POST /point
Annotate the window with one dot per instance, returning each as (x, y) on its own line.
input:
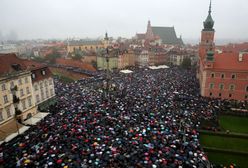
(12, 84)
(33, 76)
(27, 90)
(3, 87)
(37, 98)
(232, 87)
(5, 99)
(51, 91)
(20, 81)
(211, 86)
(24, 105)
(50, 82)
(230, 95)
(42, 95)
(219, 94)
(221, 86)
(43, 72)
(246, 88)
(222, 76)
(8, 112)
(1, 115)
(246, 96)
(26, 79)
(47, 95)
(46, 83)
(212, 75)
(21, 92)
(86, 48)
(233, 76)
(29, 102)
(41, 85)
(210, 94)
(35, 87)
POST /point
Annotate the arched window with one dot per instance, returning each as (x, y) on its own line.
(221, 86)
(222, 76)
(232, 87)
(211, 85)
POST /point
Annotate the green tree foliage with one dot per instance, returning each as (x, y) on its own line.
(53, 56)
(186, 63)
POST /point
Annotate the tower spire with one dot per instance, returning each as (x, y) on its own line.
(210, 7)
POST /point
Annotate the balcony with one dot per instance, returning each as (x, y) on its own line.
(14, 88)
(15, 99)
(18, 112)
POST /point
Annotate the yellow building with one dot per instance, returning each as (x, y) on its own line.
(16, 101)
(87, 46)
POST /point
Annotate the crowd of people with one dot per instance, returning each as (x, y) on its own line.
(149, 119)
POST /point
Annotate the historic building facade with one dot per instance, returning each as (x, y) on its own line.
(87, 46)
(221, 74)
(18, 93)
(159, 35)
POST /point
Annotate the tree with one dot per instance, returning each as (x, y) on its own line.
(53, 56)
(78, 55)
(186, 63)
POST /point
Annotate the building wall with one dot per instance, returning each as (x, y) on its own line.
(94, 47)
(43, 90)
(24, 93)
(102, 63)
(221, 84)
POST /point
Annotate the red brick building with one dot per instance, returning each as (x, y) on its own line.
(221, 74)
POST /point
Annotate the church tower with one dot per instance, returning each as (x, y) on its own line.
(149, 33)
(106, 40)
(207, 46)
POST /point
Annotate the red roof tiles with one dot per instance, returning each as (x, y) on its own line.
(6, 62)
(230, 61)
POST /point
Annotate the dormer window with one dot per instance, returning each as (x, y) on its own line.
(33, 76)
(43, 72)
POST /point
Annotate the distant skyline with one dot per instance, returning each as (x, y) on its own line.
(46, 19)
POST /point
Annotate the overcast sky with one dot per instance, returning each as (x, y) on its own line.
(91, 18)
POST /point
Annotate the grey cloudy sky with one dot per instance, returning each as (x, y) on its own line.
(91, 18)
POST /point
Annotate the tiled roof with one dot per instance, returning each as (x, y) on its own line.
(8, 62)
(229, 61)
(75, 63)
(39, 75)
(234, 47)
(91, 42)
(37, 68)
(167, 35)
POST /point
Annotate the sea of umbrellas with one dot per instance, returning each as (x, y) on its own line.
(148, 118)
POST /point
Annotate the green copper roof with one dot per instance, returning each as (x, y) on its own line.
(209, 22)
(167, 35)
(210, 55)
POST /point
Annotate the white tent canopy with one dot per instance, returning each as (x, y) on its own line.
(36, 118)
(126, 71)
(159, 67)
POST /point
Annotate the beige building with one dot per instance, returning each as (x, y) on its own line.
(18, 81)
(16, 101)
(87, 45)
(42, 84)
